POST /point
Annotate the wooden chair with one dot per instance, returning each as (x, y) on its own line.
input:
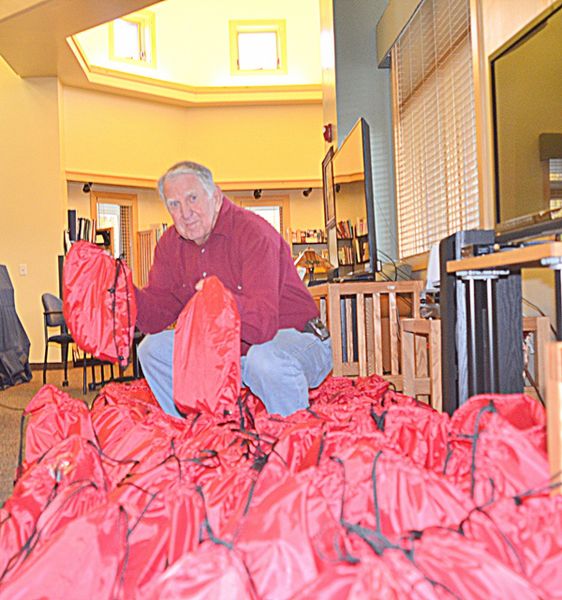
(553, 372)
(364, 321)
(539, 328)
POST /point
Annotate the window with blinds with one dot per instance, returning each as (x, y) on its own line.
(435, 131)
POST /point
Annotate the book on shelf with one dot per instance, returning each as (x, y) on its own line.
(345, 255)
(344, 230)
(361, 227)
(308, 236)
(80, 228)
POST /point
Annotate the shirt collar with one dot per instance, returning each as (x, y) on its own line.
(223, 226)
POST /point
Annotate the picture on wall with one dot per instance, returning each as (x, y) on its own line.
(328, 189)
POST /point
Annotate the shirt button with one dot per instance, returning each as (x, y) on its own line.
(202, 250)
(239, 287)
(204, 273)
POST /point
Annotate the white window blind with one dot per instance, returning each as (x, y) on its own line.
(435, 131)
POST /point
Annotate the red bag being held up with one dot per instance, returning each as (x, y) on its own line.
(99, 302)
(207, 351)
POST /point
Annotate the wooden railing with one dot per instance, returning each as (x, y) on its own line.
(146, 244)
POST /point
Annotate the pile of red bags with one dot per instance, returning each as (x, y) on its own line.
(367, 494)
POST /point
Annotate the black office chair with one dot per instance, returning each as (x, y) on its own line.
(53, 318)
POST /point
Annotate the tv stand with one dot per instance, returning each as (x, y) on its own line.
(482, 316)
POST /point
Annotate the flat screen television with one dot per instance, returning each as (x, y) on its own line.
(349, 207)
(527, 111)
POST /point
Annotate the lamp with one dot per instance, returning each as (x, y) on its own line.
(312, 262)
(87, 187)
(257, 194)
(306, 193)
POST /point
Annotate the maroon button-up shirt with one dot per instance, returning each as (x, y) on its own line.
(250, 258)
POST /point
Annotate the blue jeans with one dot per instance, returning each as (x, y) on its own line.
(279, 372)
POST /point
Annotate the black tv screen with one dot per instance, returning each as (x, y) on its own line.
(351, 232)
(527, 111)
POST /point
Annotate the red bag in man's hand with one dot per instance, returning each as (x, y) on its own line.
(99, 303)
(207, 351)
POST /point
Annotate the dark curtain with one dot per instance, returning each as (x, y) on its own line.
(14, 343)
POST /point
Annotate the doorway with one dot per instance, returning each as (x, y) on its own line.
(117, 213)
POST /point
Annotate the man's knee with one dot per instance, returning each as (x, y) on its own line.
(146, 348)
(267, 362)
(156, 347)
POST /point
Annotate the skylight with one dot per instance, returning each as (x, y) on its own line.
(257, 46)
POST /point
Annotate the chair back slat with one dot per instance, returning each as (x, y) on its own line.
(52, 309)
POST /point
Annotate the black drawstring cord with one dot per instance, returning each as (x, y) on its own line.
(119, 268)
(491, 408)
(207, 526)
(378, 419)
(20, 451)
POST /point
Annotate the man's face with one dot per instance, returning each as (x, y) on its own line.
(193, 210)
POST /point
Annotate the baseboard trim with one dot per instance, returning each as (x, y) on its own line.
(50, 366)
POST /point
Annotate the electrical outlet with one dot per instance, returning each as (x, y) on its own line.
(23, 269)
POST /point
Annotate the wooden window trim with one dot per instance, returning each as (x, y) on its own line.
(121, 199)
(281, 201)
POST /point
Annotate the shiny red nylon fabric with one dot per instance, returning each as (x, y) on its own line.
(293, 500)
(82, 560)
(207, 351)
(212, 571)
(102, 322)
(53, 417)
(166, 513)
(47, 495)
(466, 569)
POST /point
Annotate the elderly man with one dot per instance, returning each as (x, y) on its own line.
(285, 348)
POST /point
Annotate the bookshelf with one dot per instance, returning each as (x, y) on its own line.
(353, 243)
(309, 238)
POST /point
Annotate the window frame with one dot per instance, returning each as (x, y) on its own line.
(146, 22)
(278, 26)
(282, 202)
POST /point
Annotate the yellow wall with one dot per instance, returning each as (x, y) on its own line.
(151, 210)
(307, 212)
(100, 133)
(328, 63)
(117, 135)
(185, 29)
(33, 194)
